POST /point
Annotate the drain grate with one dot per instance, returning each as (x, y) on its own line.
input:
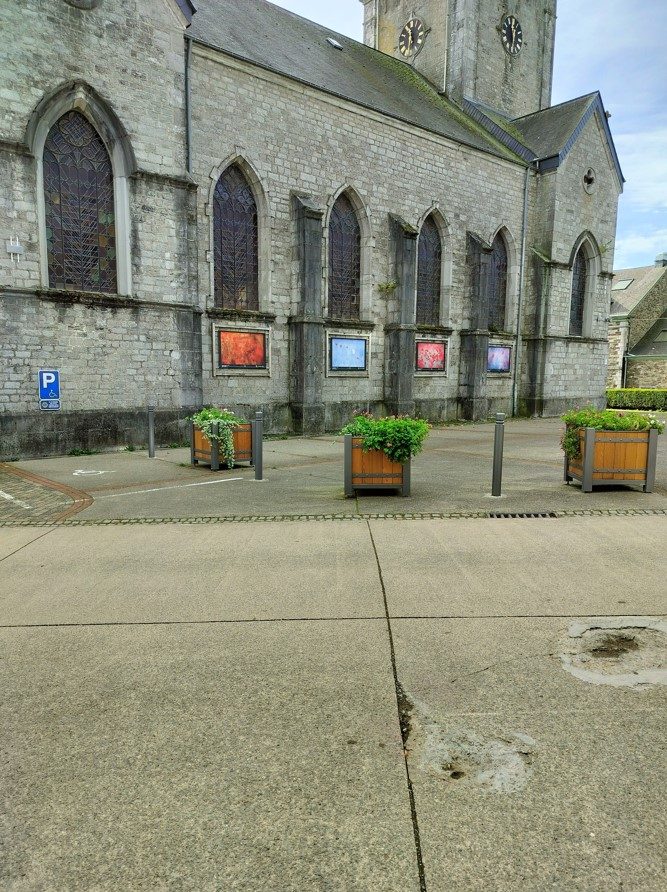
(496, 515)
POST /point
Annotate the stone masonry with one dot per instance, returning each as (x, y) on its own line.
(175, 114)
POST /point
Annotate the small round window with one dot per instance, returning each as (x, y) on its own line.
(590, 180)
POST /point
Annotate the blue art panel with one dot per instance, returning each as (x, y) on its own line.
(348, 354)
(500, 360)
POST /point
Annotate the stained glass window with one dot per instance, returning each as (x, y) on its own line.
(235, 235)
(498, 285)
(79, 207)
(429, 274)
(579, 276)
(344, 260)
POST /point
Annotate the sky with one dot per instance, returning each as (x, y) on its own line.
(616, 47)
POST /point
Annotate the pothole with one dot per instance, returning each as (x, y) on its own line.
(628, 651)
(496, 763)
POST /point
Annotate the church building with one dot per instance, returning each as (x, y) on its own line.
(218, 202)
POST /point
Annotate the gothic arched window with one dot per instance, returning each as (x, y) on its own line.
(578, 301)
(79, 207)
(235, 237)
(429, 273)
(498, 285)
(344, 260)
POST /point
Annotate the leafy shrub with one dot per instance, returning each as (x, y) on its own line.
(219, 424)
(602, 420)
(637, 398)
(398, 436)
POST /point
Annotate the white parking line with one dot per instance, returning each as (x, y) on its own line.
(140, 492)
(5, 495)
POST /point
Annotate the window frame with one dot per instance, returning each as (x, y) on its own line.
(82, 98)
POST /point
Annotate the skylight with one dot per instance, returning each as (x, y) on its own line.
(334, 43)
(622, 284)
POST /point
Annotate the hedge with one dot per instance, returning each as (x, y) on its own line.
(636, 398)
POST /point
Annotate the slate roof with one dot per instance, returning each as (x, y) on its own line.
(644, 279)
(547, 132)
(273, 38)
(548, 135)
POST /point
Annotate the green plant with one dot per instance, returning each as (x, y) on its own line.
(76, 452)
(638, 398)
(398, 436)
(602, 420)
(218, 425)
(387, 287)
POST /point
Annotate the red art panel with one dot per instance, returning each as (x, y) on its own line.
(242, 349)
(431, 356)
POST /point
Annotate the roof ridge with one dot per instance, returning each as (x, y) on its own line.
(558, 105)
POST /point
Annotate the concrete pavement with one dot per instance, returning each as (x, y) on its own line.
(350, 704)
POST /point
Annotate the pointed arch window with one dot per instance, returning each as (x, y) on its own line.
(235, 236)
(429, 273)
(344, 260)
(79, 207)
(498, 285)
(578, 301)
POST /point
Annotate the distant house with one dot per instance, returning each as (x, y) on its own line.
(638, 327)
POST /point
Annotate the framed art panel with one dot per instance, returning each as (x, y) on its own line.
(348, 353)
(499, 360)
(241, 350)
(431, 356)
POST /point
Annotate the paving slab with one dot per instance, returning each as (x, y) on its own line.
(12, 539)
(181, 572)
(246, 757)
(587, 814)
(305, 476)
(559, 566)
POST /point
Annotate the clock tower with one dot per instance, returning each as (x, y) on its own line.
(496, 52)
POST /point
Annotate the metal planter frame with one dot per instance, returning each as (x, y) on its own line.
(586, 476)
(352, 480)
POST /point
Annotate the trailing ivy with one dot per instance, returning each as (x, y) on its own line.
(219, 425)
(398, 436)
(602, 420)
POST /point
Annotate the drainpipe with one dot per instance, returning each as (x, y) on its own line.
(519, 308)
(188, 106)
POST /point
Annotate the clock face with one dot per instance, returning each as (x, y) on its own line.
(511, 35)
(412, 37)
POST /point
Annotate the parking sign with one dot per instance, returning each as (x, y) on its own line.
(49, 389)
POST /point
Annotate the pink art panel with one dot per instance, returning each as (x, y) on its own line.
(431, 356)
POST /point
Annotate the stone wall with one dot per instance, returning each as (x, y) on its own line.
(313, 147)
(646, 373)
(115, 353)
(648, 311)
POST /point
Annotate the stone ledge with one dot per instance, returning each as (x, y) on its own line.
(97, 299)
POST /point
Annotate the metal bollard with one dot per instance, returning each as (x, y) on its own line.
(498, 444)
(151, 431)
(258, 445)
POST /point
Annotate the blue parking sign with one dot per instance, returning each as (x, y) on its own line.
(49, 389)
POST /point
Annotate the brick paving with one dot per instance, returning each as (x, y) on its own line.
(28, 498)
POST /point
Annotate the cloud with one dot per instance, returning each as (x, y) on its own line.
(643, 157)
(639, 249)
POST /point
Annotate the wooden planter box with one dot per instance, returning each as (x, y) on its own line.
(373, 469)
(202, 450)
(609, 457)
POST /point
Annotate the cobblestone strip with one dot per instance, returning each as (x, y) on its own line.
(35, 500)
(287, 518)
